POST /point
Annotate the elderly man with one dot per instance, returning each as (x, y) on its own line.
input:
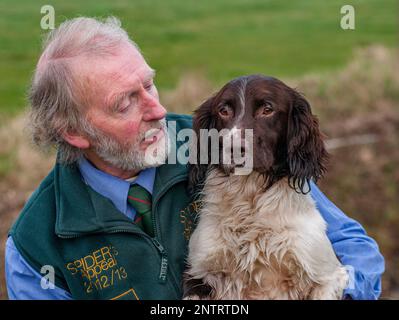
(109, 221)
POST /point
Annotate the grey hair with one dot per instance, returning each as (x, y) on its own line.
(56, 94)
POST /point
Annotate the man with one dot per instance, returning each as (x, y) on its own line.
(110, 222)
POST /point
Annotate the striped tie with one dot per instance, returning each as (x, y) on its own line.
(140, 199)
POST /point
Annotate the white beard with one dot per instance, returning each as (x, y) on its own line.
(131, 157)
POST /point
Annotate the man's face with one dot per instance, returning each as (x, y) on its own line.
(124, 110)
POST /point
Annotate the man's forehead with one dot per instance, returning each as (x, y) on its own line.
(122, 69)
(126, 63)
(107, 77)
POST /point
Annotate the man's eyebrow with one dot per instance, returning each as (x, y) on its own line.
(150, 76)
(117, 99)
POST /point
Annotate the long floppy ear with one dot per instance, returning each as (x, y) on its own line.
(307, 156)
(202, 119)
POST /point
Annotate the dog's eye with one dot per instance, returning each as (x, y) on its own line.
(265, 110)
(225, 111)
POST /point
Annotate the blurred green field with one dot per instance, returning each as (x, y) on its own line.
(196, 46)
(218, 39)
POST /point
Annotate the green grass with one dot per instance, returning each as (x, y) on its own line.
(219, 38)
(6, 163)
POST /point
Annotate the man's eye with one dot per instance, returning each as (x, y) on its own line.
(225, 110)
(128, 103)
(124, 109)
(149, 87)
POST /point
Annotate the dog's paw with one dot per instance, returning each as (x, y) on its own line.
(334, 288)
(342, 278)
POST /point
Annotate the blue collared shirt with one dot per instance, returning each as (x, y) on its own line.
(114, 188)
(351, 244)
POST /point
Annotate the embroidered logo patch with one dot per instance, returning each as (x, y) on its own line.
(188, 218)
(99, 269)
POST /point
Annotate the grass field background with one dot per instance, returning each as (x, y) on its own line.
(350, 77)
(218, 39)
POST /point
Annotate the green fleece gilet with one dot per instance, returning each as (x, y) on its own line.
(96, 251)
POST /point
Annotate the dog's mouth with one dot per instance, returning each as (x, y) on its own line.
(232, 159)
(244, 162)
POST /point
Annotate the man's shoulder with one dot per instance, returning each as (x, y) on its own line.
(39, 205)
(182, 120)
(33, 233)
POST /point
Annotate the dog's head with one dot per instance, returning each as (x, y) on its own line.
(286, 137)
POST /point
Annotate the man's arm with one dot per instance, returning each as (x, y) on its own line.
(23, 282)
(354, 248)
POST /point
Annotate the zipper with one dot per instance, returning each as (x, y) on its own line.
(165, 189)
(163, 271)
(160, 195)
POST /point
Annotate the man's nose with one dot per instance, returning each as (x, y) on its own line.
(153, 110)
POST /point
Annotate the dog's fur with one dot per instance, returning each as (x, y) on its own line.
(260, 236)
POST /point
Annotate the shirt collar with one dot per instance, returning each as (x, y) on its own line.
(111, 187)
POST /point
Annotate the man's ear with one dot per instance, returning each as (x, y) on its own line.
(307, 155)
(202, 119)
(76, 140)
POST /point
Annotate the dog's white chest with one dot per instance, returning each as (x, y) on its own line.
(254, 245)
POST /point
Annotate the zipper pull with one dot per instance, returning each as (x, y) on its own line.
(164, 261)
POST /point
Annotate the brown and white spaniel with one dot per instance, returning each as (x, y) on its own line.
(260, 236)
